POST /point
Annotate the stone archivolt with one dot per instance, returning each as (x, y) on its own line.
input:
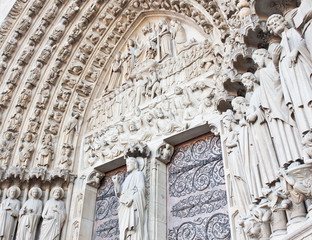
(81, 80)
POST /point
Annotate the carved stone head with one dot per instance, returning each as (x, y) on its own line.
(276, 24)
(132, 164)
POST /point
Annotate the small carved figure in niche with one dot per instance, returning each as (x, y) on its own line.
(66, 50)
(131, 194)
(36, 6)
(295, 68)
(53, 215)
(16, 119)
(34, 121)
(25, 23)
(56, 116)
(41, 30)
(46, 53)
(26, 150)
(65, 161)
(44, 95)
(52, 11)
(3, 64)
(72, 128)
(35, 74)
(164, 42)
(72, 10)
(58, 31)
(16, 73)
(29, 215)
(84, 89)
(52, 127)
(54, 75)
(9, 212)
(27, 53)
(25, 96)
(46, 152)
(115, 75)
(6, 148)
(10, 47)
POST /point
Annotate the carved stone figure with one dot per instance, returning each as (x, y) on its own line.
(9, 212)
(72, 10)
(65, 161)
(131, 194)
(6, 148)
(25, 96)
(16, 73)
(72, 128)
(164, 42)
(307, 148)
(295, 67)
(245, 141)
(25, 23)
(260, 133)
(115, 74)
(303, 21)
(39, 33)
(59, 31)
(34, 121)
(16, 119)
(239, 191)
(53, 215)
(44, 95)
(46, 152)
(35, 74)
(26, 150)
(29, 215)
(282, 128)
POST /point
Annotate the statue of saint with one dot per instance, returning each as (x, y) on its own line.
(53, 216)
(30, 215)
(283, 129)
(131, 194)
(295, 68)
(9, 212)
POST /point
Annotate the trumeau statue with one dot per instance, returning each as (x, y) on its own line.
(53, 216)
(131, 211)
(9, 213)
(30, 215)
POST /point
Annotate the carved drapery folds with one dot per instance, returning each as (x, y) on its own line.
(273, 116)
(79, 88)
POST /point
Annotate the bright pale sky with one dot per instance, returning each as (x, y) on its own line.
(5, 6)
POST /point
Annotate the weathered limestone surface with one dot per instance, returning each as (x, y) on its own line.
(85, 85)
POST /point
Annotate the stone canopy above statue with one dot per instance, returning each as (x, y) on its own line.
(152, 44)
